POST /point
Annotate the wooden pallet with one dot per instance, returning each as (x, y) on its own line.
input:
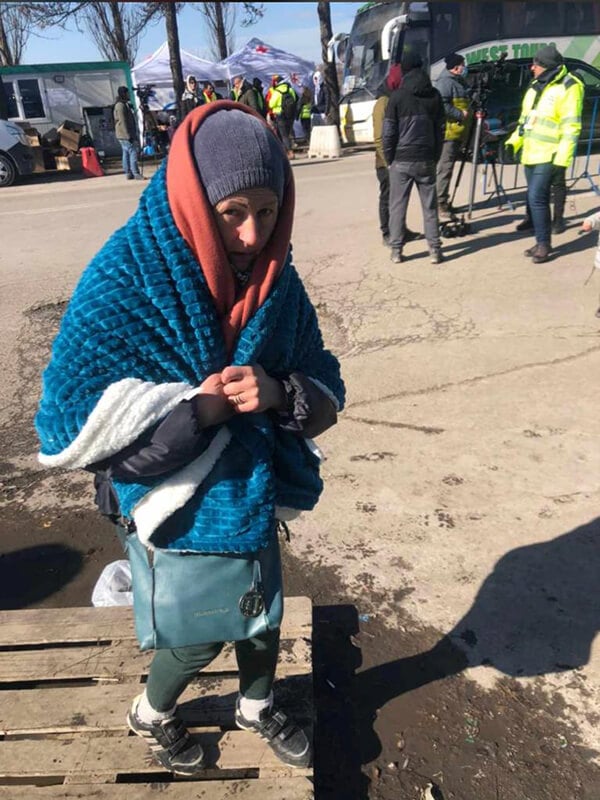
(67, 678)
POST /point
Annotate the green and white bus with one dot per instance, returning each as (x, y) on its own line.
(382, 31)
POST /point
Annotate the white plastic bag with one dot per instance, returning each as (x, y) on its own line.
(113, 587)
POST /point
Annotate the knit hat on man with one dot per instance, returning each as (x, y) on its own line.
(548, 57)
(235, 151)
(454, 60)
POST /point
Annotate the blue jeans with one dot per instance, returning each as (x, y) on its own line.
(539, 179)
(130, 156)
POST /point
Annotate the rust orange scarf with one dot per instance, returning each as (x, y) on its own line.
(195, 221)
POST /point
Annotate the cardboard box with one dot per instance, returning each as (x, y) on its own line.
(69, 162)
(33, 136)
(70, 134)
(38, 159)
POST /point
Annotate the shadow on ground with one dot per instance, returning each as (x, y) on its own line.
(537, 613)
(32, 574)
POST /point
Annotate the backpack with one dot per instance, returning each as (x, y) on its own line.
(288, 105)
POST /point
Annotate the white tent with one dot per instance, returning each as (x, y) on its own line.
(156, 70)
(258, 59)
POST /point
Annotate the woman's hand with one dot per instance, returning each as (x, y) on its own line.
(249, 389)
(211, 406)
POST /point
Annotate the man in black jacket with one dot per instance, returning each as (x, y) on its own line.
(413, 134)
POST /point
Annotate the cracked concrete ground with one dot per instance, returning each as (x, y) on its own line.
(462, 488)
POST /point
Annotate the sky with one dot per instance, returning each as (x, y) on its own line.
(293, 27)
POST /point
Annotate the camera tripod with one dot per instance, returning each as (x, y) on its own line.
(475, 145)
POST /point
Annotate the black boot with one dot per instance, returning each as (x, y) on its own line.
(541, 254)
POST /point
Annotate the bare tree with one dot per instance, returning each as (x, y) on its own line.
(16, 26)
(221, 18)
(116, 27)
(170, 13)
(331, 79)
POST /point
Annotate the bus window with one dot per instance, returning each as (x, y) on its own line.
(445, 19)
(459, 25)
(364, 67)
(415, 41)
(532, 20)
(581, 18)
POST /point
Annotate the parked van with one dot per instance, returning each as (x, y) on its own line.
(16, 156)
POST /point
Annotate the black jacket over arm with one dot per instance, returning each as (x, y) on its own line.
(413, 128)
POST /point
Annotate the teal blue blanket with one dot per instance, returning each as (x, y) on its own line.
(140, 333)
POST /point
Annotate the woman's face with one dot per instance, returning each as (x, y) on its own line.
(246, 221)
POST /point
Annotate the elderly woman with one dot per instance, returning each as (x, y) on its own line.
(189, 374)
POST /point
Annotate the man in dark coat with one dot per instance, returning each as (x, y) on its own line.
(246, 93)
(413, 133)
(392, 82)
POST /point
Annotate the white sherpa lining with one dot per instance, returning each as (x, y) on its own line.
(161, 502)
(286, 514)
(125, 410)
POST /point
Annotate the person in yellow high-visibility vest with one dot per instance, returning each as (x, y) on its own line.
(282, 106)
(209, 94)
(546, 138)
(306, 102)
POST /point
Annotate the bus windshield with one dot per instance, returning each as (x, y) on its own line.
(364, 68)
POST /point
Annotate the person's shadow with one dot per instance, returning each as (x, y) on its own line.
(30, 575)
(536, 613)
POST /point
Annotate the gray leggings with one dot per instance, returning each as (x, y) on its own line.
(172, 670)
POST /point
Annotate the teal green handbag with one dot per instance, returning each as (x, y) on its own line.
(182, 599)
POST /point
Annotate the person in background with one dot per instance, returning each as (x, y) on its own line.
(455, 94)
(593, 223)
(558, 188)
(305, 107)
(413, 131)
(392, 82)
(260, 97)
(321, 99)
(209, 94)
(191, 340)
(190, 99)
(270, 117)
(236, 87)
(126, 133)
(246, 94)
(282, 105)
(546, 138)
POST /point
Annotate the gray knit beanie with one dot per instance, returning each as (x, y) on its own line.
(234, 151)
(548, 57)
